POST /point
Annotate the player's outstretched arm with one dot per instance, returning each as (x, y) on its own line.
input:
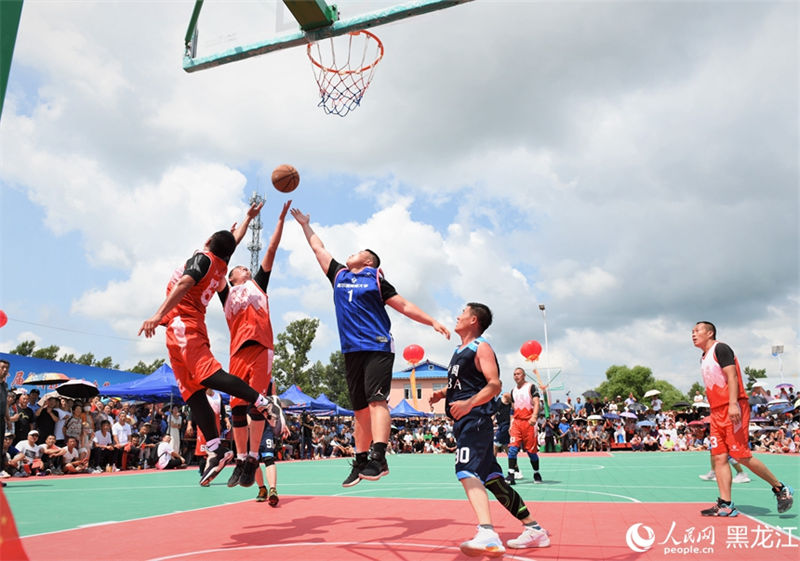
(275, 240)
(412, 311)
(323, 256)
(182, 287)
(239, 230)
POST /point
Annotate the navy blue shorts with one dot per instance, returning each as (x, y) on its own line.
(475, 448)
(501, 436)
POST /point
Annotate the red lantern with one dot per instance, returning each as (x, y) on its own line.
(531, 350)
(3, 318)
(413, 354)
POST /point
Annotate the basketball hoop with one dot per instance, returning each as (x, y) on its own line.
(342, 83)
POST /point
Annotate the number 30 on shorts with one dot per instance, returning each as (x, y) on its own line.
(462, 456)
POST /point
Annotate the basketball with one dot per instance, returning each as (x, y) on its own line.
(285, 178)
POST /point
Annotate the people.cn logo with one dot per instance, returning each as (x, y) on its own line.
(636, 541)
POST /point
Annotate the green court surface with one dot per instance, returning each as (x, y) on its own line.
(51, 504)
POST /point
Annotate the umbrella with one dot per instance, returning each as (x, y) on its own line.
(645, 424)
(591, 394)
(759, 385)
(595, 418)
(700, 404)
(698, 422)
(759, 420)
(681, 404)
(610, 415)
(286, 402)
(756, 400)
(629, 415)
(45, 397)
(637, 407)
(78, 389)
(45, 379)
(557, 406)
(651, 393)
(579, 420)
(784, 385)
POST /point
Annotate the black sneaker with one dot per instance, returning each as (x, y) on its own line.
(233, 480)
(785, 498)
(217, 460)
(374, 470)
(724, 510)
(248, 475)
(353, 478)
(537, 478)
(510, 479)
(273, 497)
(262, 495)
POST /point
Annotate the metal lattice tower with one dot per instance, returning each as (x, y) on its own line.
(255, 241)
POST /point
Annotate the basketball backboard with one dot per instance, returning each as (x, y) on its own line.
(281, 24)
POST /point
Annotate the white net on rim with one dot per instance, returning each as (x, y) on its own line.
(344, 77)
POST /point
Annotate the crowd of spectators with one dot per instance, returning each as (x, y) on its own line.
(57, 435)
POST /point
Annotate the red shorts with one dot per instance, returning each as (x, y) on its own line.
(522, 434)
(253, 364)
(190, 357)
(727, 438)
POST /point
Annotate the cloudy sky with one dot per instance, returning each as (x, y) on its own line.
(632, 166)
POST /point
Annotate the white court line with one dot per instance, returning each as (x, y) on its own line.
(776, 528)
(427, 547)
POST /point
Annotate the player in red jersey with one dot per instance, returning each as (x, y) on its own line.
(246, 307)
(730, 420)
(522, 432)
(183, 313)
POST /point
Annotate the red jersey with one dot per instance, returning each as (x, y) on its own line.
(522, 401)
(716, 381)
(247, 312)
(192, 307)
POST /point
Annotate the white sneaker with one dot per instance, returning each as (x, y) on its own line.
(530, 537)
(518, 475)
(486, 542)
(710, 476)
(741, 477)
(4, 474)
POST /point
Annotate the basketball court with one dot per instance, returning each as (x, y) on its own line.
(596, 506)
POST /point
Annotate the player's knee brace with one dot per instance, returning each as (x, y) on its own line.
(268, 461)
(255, 414)
(239, 416)
(512, 452)
(507, 497)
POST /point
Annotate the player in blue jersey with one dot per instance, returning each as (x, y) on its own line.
(360, 296)
(473, 381)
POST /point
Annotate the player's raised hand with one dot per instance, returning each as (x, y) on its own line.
(441, 329)
(302, 219)
(254, 209)
(285, 209)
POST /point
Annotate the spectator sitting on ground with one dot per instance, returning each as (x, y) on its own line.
(636, 443)
(52, 458)
(167, 457)
(131, 453)
(76, 460)
(148, 443)
(10, 452)
(30, 456)
(650, 443)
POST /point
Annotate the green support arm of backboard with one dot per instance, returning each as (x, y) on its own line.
(10, 13)
(300, 37)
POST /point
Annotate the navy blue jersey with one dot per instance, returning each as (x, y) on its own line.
(465, 380)
(361, 314)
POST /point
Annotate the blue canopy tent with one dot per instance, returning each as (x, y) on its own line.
(323, 406)
(404, 410)
(158, 387)
(20, 367)
(301, 401)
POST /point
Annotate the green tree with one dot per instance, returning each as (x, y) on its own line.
(332, 379)
(753, 374)
(87, 359)
(49, 353)
(24, 349)
(696, 387)
(142, 368)
(669, 393)
(621, 380)
(107, 362)
(290, 365)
